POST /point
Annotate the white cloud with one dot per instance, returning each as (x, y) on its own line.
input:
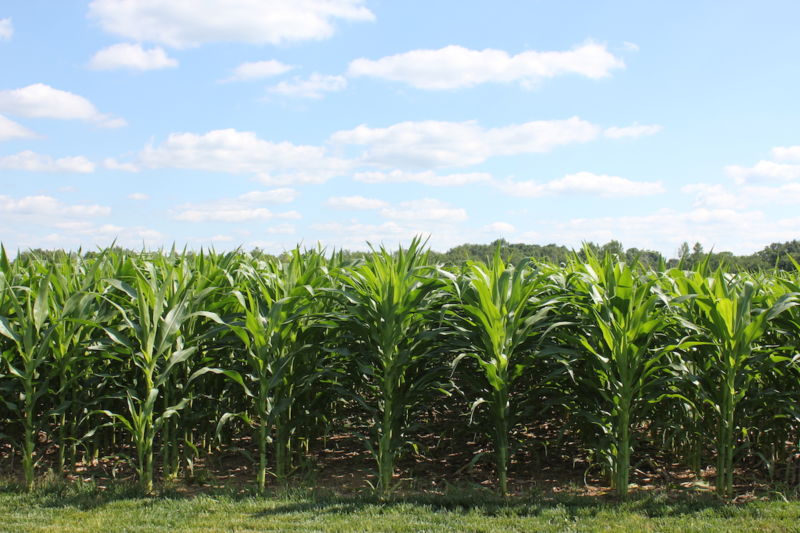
(11, 130)
(227, 241)
(355, 202)
(186, 23)
(425, 209)
(6, 29)
(454, 66)
(42, 221)
(634, 131)
(583, 183)
(630, 47)
(503, 228)
(44, 207)
(713, 196)
(242, 152)
(228, 212)
(424, 178)
(763, 171)
(786, 153)
(131, 56)
(439, 144)
(79, 233)
(138, 196)
(275, 196)
(281, 229)
(787, 194)
(356, 235)
(244, 208)
(112, 164)
(314, 87)
(723, 229)
(42, 101)
(33, 162)
(259, 69)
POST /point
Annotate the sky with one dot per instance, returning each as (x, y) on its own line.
(273, 123)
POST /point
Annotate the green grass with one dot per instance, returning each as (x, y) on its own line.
(59, 508)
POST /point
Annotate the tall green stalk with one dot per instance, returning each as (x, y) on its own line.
(275, 300)
(388, 320)
(728, 315)
(499, 318)
(622, 315)
(152, 306)
(25, 320)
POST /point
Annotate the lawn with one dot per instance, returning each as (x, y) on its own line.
(76, 507)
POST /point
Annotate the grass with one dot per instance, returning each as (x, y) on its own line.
(58, 507)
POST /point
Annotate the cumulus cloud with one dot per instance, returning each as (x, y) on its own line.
(425, 209)
(314, 87)
(244, 208)
(355, 202)
(228, 212)
(634, 131)
(42, 101)
(422, 210)
(763, 171)
(138, 196)
(455, 67)
(258, 69)
(735, 230)
(33, 162)
(356, 235)
(786, 153)
(424, 178)
(583, 183)
(187, 23)
(6, 29)
(43, 221)
(743, 196)
(81, 233)
(713, 196)
(274, 196)
(502, 228)
(11, 130)
(46, 208)
(242, 152)
(440, 144)
(112, 164)
(131, 56)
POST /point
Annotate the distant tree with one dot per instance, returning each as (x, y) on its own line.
(777, 255)
(613, 248)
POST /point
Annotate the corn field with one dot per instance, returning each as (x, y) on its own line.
(163, 358)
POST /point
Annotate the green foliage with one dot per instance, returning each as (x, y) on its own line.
(172, 356)
(500, 316)
(622, 317)
(390, 320)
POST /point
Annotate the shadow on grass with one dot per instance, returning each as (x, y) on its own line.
(88, 496)
(653, 505)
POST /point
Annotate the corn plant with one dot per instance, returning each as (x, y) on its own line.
(274, 299)
(152, 307)
(73, 307)
(24, 320)
(500, 319)
(388, 322)
(729, 316)
(623, 315)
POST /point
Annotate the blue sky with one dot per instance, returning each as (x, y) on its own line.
(269, 123)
